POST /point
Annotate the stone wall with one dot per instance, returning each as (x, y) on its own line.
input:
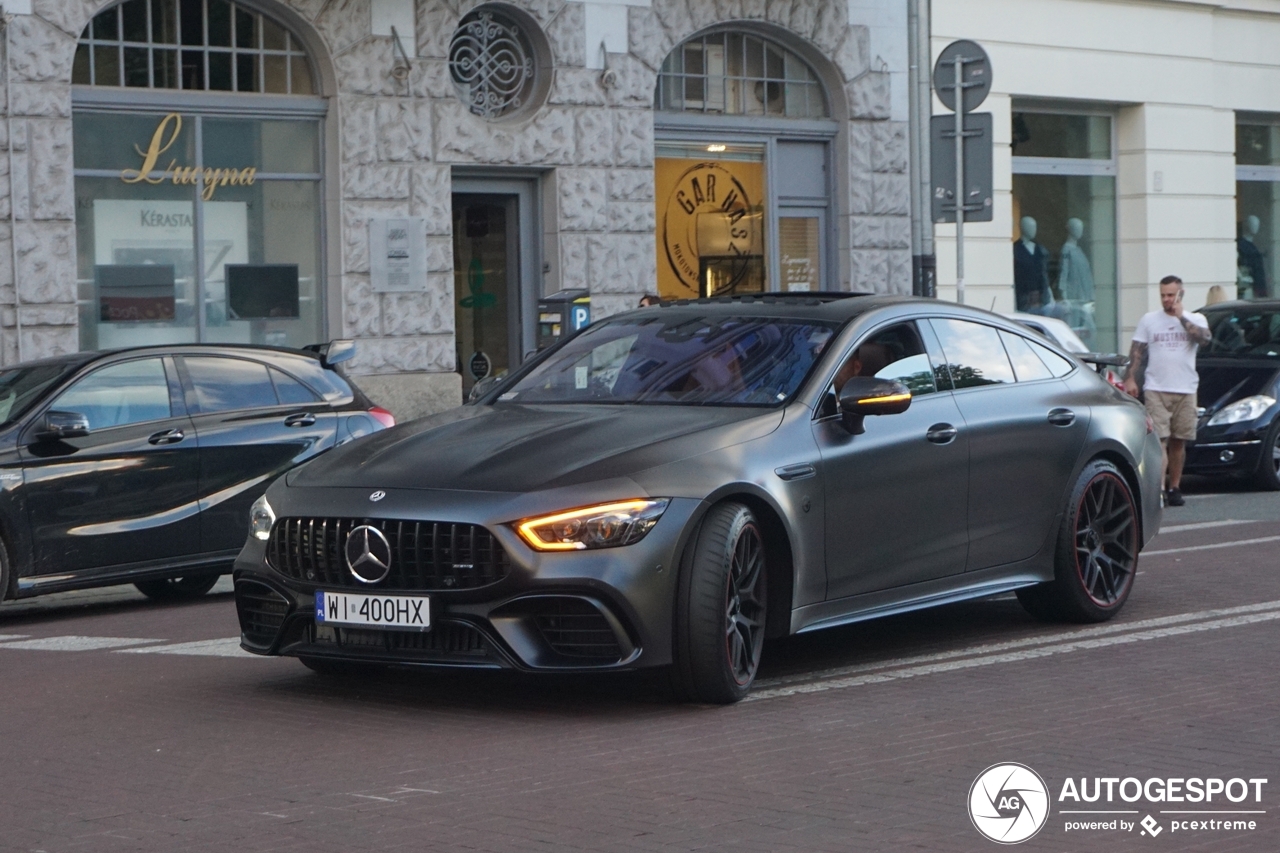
(398, 140)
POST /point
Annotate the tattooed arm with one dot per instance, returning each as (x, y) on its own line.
(1137, 374)
(1197, 333)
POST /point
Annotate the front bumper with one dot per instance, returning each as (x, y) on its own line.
(1229, 449)
(564, 611)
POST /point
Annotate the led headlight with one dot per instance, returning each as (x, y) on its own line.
(261, 517)
(1243, 410)
(600, 526)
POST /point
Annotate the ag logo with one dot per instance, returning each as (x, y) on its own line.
(1008, 803)
(708, 214)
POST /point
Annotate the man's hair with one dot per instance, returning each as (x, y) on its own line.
(1171, 279)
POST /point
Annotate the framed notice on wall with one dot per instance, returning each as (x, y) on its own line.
(398, 254)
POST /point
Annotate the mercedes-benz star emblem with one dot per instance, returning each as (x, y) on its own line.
(368, 554)
(377, 496)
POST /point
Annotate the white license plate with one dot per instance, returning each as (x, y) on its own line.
(397, 612)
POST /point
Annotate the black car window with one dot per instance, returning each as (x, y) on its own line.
(1057, 365)
(291, 391)
(974, 353)
(226, 384)
(21, 387)
(127, 393)
(893, 353)
(1246, 331)
(1026, 364)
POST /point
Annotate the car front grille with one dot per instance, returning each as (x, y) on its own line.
(425, 555)
(448, 641)
(262, 612)
(575, 628)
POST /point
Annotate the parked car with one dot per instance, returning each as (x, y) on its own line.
(672, 485)
(1238, 432)
(1110, 366)
(140, 465)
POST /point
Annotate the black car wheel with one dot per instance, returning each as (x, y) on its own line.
(1268, 473)
(1097, 553)
(720, 614)
(179, 589)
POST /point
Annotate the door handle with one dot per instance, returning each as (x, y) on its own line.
(800, 471)
(942, 433)
(1062, 417)
(303, 419)
(169, 436)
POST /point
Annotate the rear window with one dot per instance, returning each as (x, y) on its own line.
(1245, 332)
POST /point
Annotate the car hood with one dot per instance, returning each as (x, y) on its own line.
(518, 448)
(1224, 380)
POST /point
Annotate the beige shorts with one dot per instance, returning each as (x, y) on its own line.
(1174, 414)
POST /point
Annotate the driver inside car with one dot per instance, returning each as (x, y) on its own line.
(867, 360)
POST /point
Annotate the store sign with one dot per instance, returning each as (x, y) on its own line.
(162, 140)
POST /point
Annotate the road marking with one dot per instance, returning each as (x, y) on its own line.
(228, 647)
(1258, 541)
(1057, 636)
(77, 644)
(1204, 525)
(4, 638)
(1014, 657)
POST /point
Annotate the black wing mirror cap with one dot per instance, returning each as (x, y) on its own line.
(59, 425)
(865, 395)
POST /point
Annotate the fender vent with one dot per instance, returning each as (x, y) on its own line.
(262, 612)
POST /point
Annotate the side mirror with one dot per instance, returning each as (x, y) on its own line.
(59, 425)
(483, 387)
(866, 395)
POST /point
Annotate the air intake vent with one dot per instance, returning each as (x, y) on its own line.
(262, 612)
(425, 555)
(446, 641)
(574, 628)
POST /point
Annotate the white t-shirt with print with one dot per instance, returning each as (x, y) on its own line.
(1171, 353)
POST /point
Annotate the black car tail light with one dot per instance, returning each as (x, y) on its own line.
(262, 612)
(425, 555)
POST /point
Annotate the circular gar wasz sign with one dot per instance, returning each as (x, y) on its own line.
(1008, 803)
(708, 213)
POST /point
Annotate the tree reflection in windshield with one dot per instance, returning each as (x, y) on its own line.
(681, 360)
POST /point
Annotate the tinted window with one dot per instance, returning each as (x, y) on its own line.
(1247, 331)
(894, 353)
(22, 386)
(127, 393)
(1057, 365)
(290, 390)
(225, 384)
(974, 353)
(1026, 364)
(676, 358)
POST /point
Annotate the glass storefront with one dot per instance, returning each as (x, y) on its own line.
(1257, 207)
(175, 211)
(1064, 222)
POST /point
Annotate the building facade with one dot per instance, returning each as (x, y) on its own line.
(416, 175)
(1133, 140)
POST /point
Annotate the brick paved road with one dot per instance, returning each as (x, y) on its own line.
(128, 726)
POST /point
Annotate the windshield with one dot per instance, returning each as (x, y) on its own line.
(22, 386)
(1244, 332)
(679, 360)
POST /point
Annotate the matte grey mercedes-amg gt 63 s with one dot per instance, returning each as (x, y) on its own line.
(673, 485)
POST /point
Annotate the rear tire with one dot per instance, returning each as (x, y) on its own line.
(1097, 552)
(1267, 477)
(183, 588)
(720, 608)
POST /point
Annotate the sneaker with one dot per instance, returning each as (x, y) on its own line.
(1173, 497)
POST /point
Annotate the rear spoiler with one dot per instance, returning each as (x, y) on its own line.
(1100, 360)
(334, 352)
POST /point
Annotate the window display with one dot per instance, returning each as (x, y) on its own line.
(1257, 203)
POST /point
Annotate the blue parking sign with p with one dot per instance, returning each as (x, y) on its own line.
(579, 317)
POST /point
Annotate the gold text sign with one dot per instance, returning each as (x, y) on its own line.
(162, 140)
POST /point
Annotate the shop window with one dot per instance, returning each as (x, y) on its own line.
(1257, 207)
(205, 45)
(1064, 221)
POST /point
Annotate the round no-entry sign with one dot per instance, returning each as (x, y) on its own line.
(976, 76)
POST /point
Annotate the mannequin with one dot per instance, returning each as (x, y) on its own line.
(1031, 271)
(1249, 259)
(1075, 282)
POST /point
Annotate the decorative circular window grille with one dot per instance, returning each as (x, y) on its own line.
(492, 64)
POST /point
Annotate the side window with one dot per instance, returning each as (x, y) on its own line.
(1057, 365)
(893, 353)
(974, 353)
(1026, 364)
(291, 391)
(227, 384)
(127, 393)
(941, 375)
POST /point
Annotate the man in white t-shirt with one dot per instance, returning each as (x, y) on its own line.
(1162, 366)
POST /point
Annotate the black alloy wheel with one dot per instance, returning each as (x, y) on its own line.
(1268, 473)
(1097, 553)
(721, 607)
(179, 589)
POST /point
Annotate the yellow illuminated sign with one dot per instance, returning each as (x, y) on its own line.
(162, 140)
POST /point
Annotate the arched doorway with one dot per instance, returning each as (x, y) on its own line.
(197, 132)
(743, 169)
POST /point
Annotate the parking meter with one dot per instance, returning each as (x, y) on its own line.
(561, 314)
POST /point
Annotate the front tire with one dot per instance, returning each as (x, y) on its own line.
(721, 607)
(184, 588)
(1097, 552)
(1267, 476)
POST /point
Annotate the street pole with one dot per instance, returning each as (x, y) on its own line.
(960, 194)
